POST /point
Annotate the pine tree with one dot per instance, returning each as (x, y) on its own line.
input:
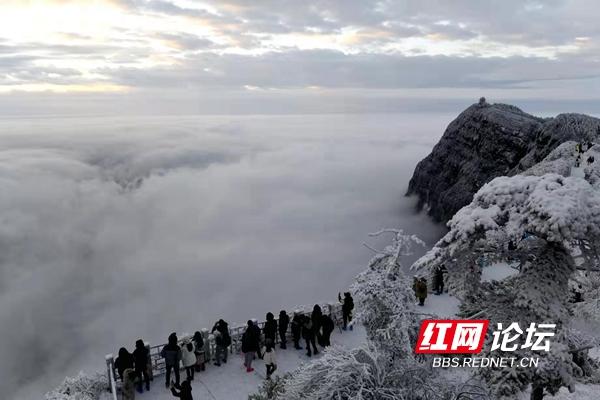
(385, 299)
(553, 219)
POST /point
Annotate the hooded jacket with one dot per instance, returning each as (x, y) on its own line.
(140, 356)
(198, 341)
(308, 329)
(185, 393)
(297, 322)
(284, 321)
(188, 357)
(250, 339)
(171, 352)
(124, 361)
(270, 328)
(327, 324)
(421, 288)
(315, 317)
(348, 304)
(269, 356)
(222, 327)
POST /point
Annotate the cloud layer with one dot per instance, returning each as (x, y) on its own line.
(114, 228)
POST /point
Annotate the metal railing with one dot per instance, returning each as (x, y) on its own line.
(110, 364)
(157, 363)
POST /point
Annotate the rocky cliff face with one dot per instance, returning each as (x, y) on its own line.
(486, 141)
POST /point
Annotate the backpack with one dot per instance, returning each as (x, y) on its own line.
(227, 340)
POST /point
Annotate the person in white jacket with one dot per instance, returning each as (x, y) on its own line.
(269, 357)
(188, 358)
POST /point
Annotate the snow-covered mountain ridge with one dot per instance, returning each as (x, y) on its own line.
(486, 141)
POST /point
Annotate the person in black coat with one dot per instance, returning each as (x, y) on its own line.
(222, 327)
(222, 341)
(256, 337)
(296, 328)
(284, 321)
(198, 341)
(123, 362)
(309, 335)
(438, 278)
(185, 392)
(141, 358)
(315, 317)
(250, 345)
(347, 307)
(172, 355)
(327, 327)
(270, 328)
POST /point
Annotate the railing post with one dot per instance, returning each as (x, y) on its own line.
(110, 366)
(205, 337)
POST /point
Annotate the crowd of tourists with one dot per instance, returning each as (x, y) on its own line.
(135, 369)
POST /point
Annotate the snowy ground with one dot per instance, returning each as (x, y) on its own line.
(578, 172)
(232, 382)
(443, 306)
(498, 271)
(582, 392)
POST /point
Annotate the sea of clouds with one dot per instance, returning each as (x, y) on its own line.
(117, 228)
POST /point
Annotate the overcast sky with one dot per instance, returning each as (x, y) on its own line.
(139, 53)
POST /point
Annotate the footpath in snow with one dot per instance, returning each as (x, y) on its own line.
(231, 381)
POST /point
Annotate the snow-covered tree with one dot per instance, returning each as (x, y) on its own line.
(384, 368)
(546, 222)
(80, 387)
(365, 373)
(385, 299)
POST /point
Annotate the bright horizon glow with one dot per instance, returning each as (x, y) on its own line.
(76, 46)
